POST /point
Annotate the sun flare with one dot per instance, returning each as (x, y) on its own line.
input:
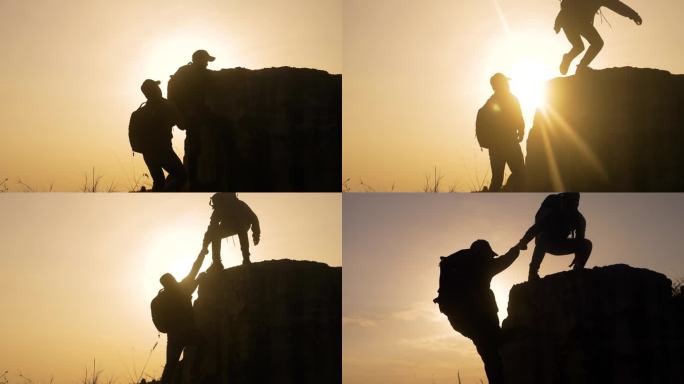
(528, 84)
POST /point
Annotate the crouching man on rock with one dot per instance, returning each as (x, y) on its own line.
(559, 229)
(231, 216)
(172, 314)
(468, 302)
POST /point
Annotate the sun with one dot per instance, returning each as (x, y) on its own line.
(528, 84)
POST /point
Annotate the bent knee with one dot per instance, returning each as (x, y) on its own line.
(587, 245)
(577, 47)
(598, 43)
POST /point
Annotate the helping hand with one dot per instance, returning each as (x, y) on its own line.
(522, 245)
(203, 253)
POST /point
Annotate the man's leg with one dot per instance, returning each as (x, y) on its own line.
(221, 233)
(156, 171)
(177, 175)
(498, 164)
(595, 44)
(174, 347)
(216, 249)
(574, 37)
(580, 247)
(516, 163)
(244, 246)
(192, 151)
(197, 341)
(487, 343)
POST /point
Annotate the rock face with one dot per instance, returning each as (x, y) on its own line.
(614, 324)
(274, 129)
(275, 321)
(618, 129)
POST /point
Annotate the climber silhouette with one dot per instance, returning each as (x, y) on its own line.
(467, 300)
(172, 313)
(231, 216)
(195, 77)
(559, 229)
(576, 18)
(500, 128)
(160, 116)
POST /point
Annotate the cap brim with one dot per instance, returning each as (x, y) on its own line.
(211, 58)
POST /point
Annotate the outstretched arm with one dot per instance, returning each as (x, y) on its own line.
(529, 235)
(500, 263)
(195, 267)
(254, 222)
(623, 9)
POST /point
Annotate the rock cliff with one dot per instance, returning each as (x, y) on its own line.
(614, 324)
(617, 129)
(275, 321)
(273, 129)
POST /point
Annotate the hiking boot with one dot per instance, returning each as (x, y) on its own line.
(565, 64)
(216, 266)
(246, 261)
(533, 276)
(582, 69)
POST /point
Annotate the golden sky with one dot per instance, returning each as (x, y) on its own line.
(416, 72)
(79, 271)
(393, 333)
(71, 71)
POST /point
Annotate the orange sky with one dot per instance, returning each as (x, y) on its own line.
(415, 73)
(79, 271)
(71, 72)
(393, 333)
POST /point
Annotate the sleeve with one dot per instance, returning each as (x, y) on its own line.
(621, 9)
(254, 221)
(530, 234)
(581, 228)
(500, 263)
(189, 282)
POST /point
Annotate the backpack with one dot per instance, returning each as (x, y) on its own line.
(453, 273)
(162, 311)
(486, 126)
(142, 119)
(550, 205)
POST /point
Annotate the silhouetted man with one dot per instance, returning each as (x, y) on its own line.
(559, 229)
(180, 322)
(159, 154)
(195, 110)
(467, 300)
(503, 118)
(231, 216)
(576, 18)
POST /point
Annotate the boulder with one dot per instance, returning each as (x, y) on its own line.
(275, 321)
(266, 130)
(613, 324)
(617, 129)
